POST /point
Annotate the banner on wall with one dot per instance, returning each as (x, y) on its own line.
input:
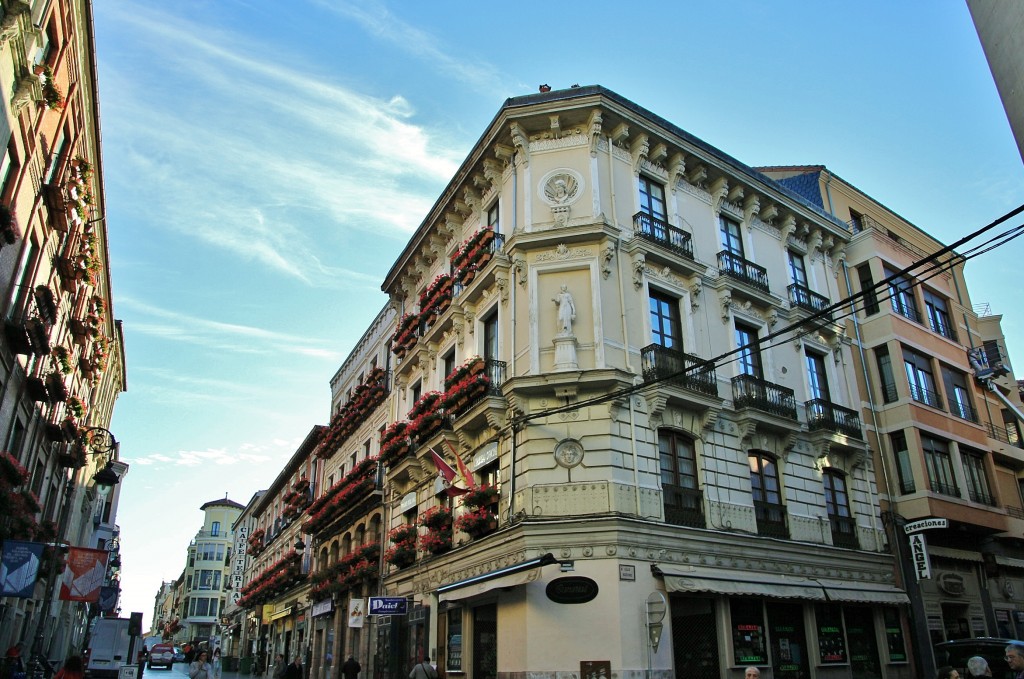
(356, 612)
(19, 568)
(83, 576)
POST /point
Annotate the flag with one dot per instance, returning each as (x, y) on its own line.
(83, 575)
(19, 568)
(448, 474)
(467, 475)
(108, 598)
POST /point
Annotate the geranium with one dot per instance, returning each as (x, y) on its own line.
(476, 522)
(473, 364)
(436, 542)
(484, 496)
(11, 471)
(436, 517)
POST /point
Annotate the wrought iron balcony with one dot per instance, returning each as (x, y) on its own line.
(905, 310)
(981, 497)
(945, 489)
(822, 414)
(844, 531)
(1009, 435)
(803, 297)
(963, 409)
(684, 506)
(734, 266)
(686, 370)
(656, 231)
(752, 392)
(942, 326)
(771, 520)
(926, 396)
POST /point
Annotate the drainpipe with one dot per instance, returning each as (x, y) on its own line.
(512, 343)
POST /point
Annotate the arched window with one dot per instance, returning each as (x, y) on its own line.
(684, 502)
(767, 492)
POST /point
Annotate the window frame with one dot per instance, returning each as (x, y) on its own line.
(673, 338)
(939, 318)
(731, 236)
(939, 465)
(648, 199)
(748, 359)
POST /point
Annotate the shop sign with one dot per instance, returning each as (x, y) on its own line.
(919, 555)
(487, 454)
(408, 502)
(925, 524)
(951, 584)
(572, 590)
(323, 607)
(389, 605)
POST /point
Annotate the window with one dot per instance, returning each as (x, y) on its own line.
(731, 240)
(493, 221)
(767, 493)
(940, 466)
(684, 503)
(885, 374)
(901, 296)
(16, 439)
(904, 469)
(837, 502)
(867, 286)
(816, 377)
(666, 328)
(750, 354)
(797, 272)
(856, 221)
(1012, 427)
(448, 363)
(977, 482)
(652, 199)
(454, 646)
(938, 315)
(958, 395)
(215, 528)
(491, 336)
(416, 391)
(921, 379)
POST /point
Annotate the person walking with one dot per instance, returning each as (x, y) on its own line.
(977, 667)
(279, 666)
(294, 669)
(1015, 659)
(216, 664)
(423, 670)
(351, 668)
(72, 669)
(201, 668)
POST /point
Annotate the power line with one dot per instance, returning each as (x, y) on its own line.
(800, 326)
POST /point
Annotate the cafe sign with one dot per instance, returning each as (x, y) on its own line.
(572, 590)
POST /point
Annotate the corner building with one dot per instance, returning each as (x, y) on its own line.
(569, 320)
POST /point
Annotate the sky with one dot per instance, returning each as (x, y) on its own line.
(265, 163)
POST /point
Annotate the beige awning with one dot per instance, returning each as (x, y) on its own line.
(743, 583)
(281, 614)
(871, 593)
(510, 576)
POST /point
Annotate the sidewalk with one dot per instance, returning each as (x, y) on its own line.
(180, 671)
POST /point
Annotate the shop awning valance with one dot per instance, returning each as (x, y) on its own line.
(510, 576)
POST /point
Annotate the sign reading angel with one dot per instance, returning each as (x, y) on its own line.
(560, 189)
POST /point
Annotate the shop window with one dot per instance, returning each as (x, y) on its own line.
(788, 640)
(894, 635)
(453, 656)
(684, 502)
(831, 641)
(485, 642)
(695, 637)
(860, 633)
(748, 635)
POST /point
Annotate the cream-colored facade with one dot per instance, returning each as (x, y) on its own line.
(207, 573)
(741, 490)
(945, 445)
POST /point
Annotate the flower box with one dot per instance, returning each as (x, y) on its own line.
(484, 496)
(477, 523)
(436, 541)
(436, 518)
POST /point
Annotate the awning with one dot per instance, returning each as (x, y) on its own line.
(281, 614)
(778, 586)
(511, 576)
(741, 583)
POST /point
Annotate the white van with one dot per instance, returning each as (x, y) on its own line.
(109, 646)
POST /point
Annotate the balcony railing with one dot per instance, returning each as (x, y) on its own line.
(686, 370)
(684, 506)
(926, 396)
(803, 297)
(822, 414)
(981, 497)
(1015, 512)
(1009, 435)
(771, 520)
(752, 392)
(945, 489)
(905, 310)
(734, 266)
(653, 229)
(943, 327)
(964, 410)
(844, 531)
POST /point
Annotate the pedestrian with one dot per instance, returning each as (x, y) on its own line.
(279, 666)
(752, 673)
(1015, 659)
(14, 665)
(189, 651)
(72, 669)
(351, 668)
(200, 668)
(947, 672)
(978, 667)
(423, 670)
(294, 670)
(216, 663)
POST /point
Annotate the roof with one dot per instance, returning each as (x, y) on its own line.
(221, 502)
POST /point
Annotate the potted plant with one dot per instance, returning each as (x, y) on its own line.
(477, 523)
(483, 496)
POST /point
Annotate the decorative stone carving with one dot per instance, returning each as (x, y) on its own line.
(609, 255)
(566, 311)
(492, 170)
(521, 141)
(620, 134)
(639, 263)
(560, 189)
(501, 282)
(697, 175)
(769, 212)
(562, 252)
(676, 170)
(719, 190)
(725, 297)
(751, 208)
(10, 26)
(569, 453)
(594, 130)
(657, 154)
(638, 150)
(519, 266)
(788, 227)
(695, 290)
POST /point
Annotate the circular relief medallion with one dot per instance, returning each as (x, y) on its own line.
(569, 452)
(560, 187)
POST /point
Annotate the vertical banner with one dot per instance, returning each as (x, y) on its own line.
(83, 576)
(108, 599)
(19, 568)
(268, 610)
(356, 612)
(919, 553)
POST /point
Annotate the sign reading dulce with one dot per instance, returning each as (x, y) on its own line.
(571, 590)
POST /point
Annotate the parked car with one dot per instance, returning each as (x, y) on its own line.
(956, 653)
(179, 655)
(161, 655)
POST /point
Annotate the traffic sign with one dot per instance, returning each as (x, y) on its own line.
(389, 605)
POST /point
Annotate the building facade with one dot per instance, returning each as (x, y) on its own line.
(945, 429)
(207, 573)
(62, 360)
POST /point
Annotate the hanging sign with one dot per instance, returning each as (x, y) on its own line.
(919, 555)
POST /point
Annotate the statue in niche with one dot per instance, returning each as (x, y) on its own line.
(566, 311)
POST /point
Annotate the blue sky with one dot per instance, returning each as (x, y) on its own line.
(265, 163)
